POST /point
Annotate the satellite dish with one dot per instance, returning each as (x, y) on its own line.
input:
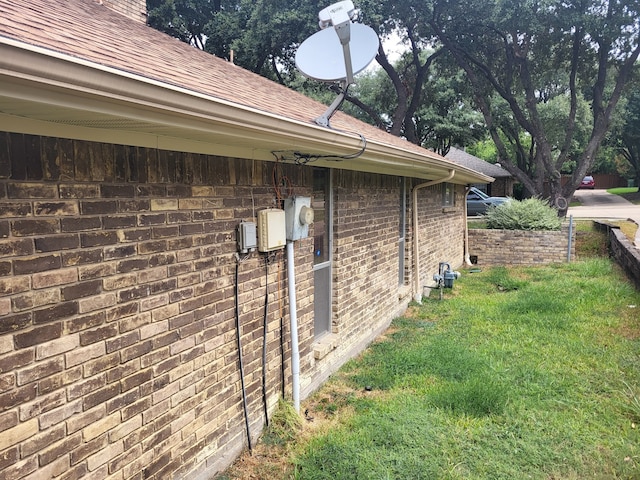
(320, 57)
(338, 53)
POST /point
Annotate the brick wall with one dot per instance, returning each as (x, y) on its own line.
(366, 258)
(442, 231)
(117, 341)
(517, 247)
(118, 355)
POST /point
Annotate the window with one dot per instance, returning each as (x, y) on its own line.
(448, 194)
(322, 248)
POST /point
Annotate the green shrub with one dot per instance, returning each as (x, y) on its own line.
(529, 214)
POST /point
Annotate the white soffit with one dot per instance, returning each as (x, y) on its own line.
(52, 94)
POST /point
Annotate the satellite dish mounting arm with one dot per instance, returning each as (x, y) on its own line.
(344, 34)
(323, 120)
(339, 15)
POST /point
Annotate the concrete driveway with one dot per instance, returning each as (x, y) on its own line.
(598, 204)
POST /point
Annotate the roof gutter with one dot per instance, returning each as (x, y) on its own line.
(49, 93)
(417, 294)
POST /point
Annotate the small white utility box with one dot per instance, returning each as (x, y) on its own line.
(299, 216)
(246, 237)
(271, 229)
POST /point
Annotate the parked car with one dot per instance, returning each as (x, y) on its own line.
(588, 182)
(478, 201)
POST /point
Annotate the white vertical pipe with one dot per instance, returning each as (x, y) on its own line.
(467, 256)
(293, 316)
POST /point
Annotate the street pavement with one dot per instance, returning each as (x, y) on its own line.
(599, 204)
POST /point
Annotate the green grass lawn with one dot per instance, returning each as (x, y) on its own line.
(622, 190)
(517, 373)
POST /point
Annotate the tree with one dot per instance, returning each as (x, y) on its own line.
(630, 135)
(183, 19)
(520, 54)
(263, 34)
(417, 96)
(409, 76)
(444, 116)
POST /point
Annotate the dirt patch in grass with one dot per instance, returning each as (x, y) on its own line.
(593, 243)
(630, 326)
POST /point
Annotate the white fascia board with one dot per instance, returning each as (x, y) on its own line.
(49, 93)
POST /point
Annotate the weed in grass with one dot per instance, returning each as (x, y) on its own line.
(284, 425)
(334, 400)
(631, 403)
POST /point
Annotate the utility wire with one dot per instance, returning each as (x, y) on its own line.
(301, 158)
(238, 334)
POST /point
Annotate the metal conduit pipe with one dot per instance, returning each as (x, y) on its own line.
(467, 257)
(293, 317)
(417, 293)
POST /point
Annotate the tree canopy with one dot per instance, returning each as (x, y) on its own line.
(520, 55)
(630, 135)
(260, 36)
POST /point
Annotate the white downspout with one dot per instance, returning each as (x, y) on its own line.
(417, 294)
(467, 258)
(293, 316)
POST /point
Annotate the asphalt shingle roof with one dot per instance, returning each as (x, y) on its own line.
(465, 159)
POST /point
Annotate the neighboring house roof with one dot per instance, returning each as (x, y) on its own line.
(463, 158)
(76, 69)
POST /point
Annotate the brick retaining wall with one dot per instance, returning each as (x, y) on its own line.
(626, 255)
(519, 247)
(622, 251)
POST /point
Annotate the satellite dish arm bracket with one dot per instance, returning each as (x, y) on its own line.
(323, 120)
(344, 34)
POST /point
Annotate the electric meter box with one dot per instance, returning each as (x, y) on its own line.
(299, 216)
(271, 229)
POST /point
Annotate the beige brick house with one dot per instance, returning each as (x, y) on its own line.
(127, 161)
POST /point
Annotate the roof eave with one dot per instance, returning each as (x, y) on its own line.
(49, 93)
